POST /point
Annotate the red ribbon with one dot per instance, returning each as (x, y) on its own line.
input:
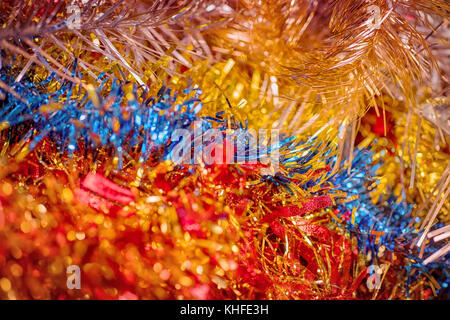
(291, 211)
(100, 185)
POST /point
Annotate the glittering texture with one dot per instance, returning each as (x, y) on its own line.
(101, 120)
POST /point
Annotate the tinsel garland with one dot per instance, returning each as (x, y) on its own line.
(346, 197)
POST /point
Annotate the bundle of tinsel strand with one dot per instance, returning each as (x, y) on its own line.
(127, 149)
